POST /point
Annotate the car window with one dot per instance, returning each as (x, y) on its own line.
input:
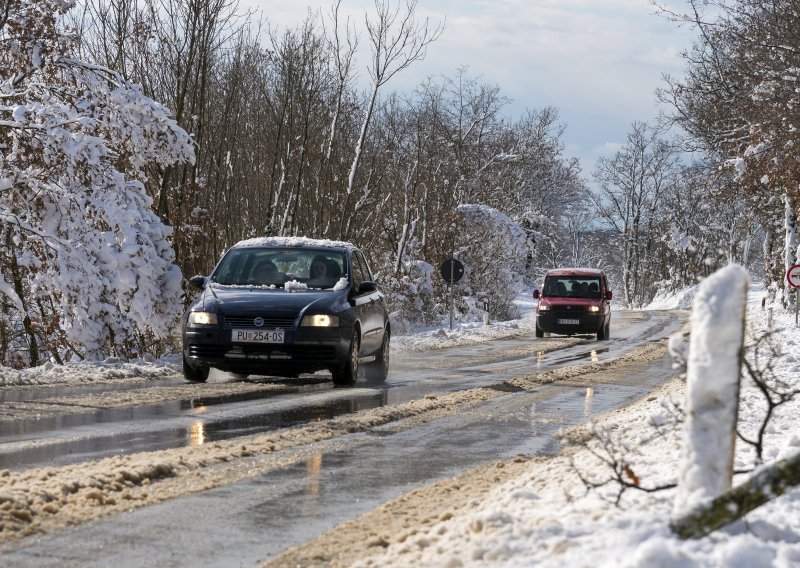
(572, 287)
(274, 267)
(358, 274)
(367, 273)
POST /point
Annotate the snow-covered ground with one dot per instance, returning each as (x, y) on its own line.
(547, 518)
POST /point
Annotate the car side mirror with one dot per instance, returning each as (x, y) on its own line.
(609, 295)
(367, 286)
(536, 295)
(198, 282)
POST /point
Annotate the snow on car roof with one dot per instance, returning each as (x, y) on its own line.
(574, 272)
(291, 242)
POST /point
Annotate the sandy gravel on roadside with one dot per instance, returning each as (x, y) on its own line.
(47, 499)
(410, 517)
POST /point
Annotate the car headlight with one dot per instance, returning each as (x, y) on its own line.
(543, 307)
(594, 309)
(202, 318)
(320, 320)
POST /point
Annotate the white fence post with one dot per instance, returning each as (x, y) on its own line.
(712, 389)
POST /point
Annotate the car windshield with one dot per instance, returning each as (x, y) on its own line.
(285, 268)
(572, 287)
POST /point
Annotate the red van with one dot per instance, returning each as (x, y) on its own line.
(574, 300)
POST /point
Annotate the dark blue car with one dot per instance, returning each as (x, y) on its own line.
(284, 306)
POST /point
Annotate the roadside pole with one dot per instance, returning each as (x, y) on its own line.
(484, 301)
(793, 278)
(451, 299)
(452, 271)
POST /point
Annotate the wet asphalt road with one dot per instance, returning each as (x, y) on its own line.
(249, 521)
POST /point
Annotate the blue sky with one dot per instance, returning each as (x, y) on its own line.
(597, 61)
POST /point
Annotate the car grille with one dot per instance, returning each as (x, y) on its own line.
(208, 351)
(568, 310)
(270, 322)
(278, 352)
(293, 352)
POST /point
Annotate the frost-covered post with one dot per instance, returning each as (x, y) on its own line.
(712, 390)
(791, 247)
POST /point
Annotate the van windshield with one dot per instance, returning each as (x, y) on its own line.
(572, 287)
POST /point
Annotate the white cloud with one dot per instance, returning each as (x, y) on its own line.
(597, 61)
(607, 149)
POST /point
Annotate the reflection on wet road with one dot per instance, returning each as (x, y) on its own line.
(203, 418)
(312, 488)
(258, 518)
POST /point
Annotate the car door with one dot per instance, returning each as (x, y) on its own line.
(372, 307)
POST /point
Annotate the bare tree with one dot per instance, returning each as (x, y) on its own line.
(396, 40)
(632, 185)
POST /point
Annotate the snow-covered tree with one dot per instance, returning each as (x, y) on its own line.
(87, 268)
(738, 101)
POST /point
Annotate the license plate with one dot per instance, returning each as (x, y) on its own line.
(257, 335)
(568, 321)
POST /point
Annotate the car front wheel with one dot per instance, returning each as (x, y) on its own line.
(539, 332)
(347, 374)
(195, 374)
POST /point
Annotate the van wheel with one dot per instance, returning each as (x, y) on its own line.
(195, 374)
(604, 332)
(539, 332)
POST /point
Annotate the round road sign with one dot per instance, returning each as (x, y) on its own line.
(452, 270)
(793, 276)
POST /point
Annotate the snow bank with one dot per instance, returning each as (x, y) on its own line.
(680, 300)
(112, 369)
(546, 518)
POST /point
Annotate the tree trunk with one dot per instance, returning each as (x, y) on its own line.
(17, 282)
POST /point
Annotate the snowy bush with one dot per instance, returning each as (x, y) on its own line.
(494, 250)
(87, 268)
(410, 293)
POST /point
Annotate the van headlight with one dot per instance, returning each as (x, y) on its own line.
(594, 309)
(320, 320)
(202, 318)
(544, 308)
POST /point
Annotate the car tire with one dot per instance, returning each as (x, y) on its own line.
(603, 332)
(379, 369)
(539, 332)
(346, 375)
(195, 374)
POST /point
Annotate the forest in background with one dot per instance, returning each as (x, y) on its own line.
(294, 134)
